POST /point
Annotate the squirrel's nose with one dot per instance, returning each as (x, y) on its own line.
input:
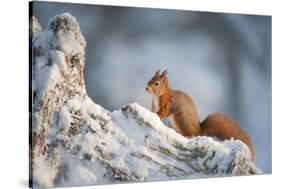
(146, 88)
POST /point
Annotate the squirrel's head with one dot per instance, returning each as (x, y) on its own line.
(158, 84)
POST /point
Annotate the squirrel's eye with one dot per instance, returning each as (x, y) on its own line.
(156, 83)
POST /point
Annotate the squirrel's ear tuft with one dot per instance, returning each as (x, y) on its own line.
(157, 73)
(164, 74)
(164, 77)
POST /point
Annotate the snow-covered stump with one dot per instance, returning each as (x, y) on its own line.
(57, 71)
(77, 142)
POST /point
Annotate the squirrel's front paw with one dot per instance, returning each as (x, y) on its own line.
(170, 126)
(160, 115)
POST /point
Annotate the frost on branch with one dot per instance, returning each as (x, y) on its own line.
(34, 27)
(77, 142)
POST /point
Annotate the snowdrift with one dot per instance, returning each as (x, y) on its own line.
(77, 142)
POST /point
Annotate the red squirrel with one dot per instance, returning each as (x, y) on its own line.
(180, 110)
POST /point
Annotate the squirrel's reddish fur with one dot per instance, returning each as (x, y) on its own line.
(180, 109)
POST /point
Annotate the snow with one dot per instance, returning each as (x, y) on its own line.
(54, 46)
(44, 173)
(68, 42)
(34, 27)
(78, 142)
(124, 136)
(47, 77)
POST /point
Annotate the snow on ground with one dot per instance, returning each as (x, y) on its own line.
(111, 147)
(78, 142)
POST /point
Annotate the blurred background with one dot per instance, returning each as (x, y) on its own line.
(222, 60)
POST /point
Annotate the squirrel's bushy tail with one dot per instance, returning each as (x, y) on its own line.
(223, 127)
